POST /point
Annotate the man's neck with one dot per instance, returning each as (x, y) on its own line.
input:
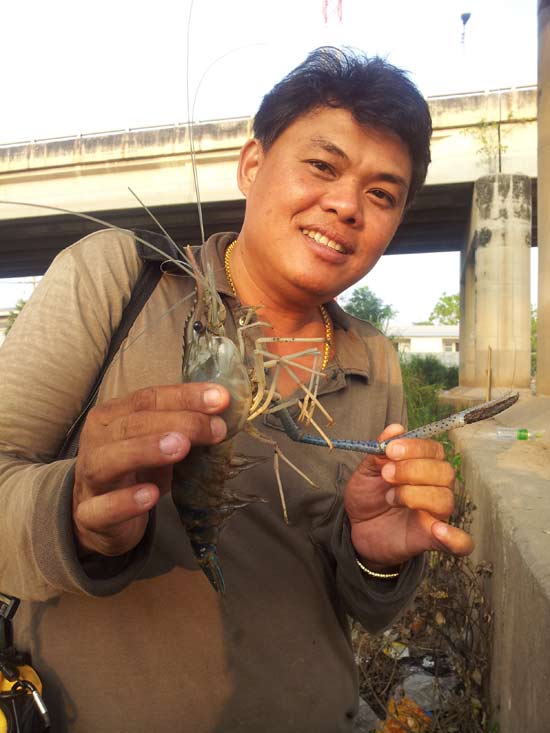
(289, 313)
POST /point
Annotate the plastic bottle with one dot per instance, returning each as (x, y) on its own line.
(517, 434)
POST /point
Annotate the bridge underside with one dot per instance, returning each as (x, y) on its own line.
(438, 221)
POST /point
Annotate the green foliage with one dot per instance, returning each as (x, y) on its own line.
(423, 378)
(446, 311)
(430, 370)
(364, 304)
(12, 315)
(455, 459)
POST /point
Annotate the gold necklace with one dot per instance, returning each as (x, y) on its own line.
(324, 313)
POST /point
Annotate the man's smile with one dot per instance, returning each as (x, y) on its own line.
(323, 239)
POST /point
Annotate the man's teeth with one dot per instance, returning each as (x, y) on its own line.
(324, 240)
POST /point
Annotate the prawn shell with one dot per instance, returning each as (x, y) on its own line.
(217, 359)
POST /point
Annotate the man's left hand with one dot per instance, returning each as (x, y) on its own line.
(399, 504)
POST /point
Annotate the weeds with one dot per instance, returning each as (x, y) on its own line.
(423, 378)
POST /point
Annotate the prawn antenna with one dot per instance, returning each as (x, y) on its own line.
(157, 222)
(190, 128)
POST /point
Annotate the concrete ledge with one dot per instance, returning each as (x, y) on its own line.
(510, 485)
(462, 397)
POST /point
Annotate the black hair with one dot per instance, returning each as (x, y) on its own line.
(378, 95)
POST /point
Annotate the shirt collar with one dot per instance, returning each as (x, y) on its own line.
(350, 346)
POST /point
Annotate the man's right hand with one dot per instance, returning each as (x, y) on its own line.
(127, 448)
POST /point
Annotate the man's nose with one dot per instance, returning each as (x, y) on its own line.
(344, 199)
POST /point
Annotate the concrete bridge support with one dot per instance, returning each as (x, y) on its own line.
(495, 321)
(543, 197)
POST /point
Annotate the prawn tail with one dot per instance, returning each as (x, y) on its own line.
(203, 527)
(207, 558)
(204, 504)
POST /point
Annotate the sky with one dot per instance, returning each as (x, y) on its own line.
(73, 67)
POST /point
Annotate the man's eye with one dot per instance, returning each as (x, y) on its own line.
(383, 196)
(320, 165)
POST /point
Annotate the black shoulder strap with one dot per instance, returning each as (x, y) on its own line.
(145, 284)
(8, 607)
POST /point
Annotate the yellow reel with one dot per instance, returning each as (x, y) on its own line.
(25, 673)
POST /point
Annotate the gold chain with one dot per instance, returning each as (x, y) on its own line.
(324, 313)
(227, 265)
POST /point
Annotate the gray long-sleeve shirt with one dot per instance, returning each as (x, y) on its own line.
(146, 644)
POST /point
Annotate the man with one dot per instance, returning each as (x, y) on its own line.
(126, 631)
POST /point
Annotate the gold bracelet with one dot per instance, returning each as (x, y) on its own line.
(374, 574)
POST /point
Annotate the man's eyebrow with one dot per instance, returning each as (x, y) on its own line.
(328, 146)
(392, 178)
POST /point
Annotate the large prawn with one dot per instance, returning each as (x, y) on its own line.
(199, 487)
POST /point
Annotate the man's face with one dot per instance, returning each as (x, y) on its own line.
(323, 202)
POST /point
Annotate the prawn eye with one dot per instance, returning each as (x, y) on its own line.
(198, 327)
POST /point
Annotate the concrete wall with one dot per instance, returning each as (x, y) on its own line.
(510, 486)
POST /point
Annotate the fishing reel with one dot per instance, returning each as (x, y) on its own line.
(22, 709)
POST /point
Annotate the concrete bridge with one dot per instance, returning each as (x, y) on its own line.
(474, 135)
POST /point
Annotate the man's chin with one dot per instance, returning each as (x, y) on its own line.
(317, 290)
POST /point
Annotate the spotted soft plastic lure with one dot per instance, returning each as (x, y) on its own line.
(457, 420)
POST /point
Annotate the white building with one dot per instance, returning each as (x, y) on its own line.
(440, 341)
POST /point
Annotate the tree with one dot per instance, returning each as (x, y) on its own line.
(364, 304)
(446, 311)
(12, 315)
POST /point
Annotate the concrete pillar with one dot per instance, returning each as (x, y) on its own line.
(467, 327)
(497, 283)
(543, 198)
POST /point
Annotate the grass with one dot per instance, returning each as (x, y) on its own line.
(423, 379)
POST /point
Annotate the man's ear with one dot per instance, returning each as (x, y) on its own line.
(250, 161)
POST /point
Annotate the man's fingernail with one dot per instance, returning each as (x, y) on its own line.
(218, 427)
(390, 497)
(441, 531)
(388, 471)
(143, 497)
(395, 451)
(170, 443)
(212, 397)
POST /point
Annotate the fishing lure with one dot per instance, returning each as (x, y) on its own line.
(456, 420)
